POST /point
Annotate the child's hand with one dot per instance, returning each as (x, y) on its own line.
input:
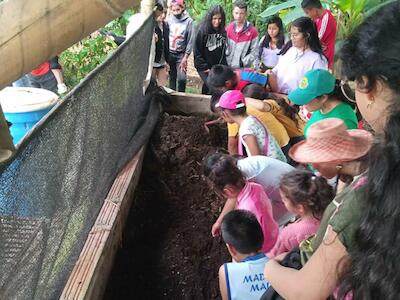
(216, 229)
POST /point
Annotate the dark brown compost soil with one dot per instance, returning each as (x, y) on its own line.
(167, 250)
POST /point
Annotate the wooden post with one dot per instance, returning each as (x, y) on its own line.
(34, 31)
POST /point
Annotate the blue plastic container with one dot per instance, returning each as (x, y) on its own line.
(24, 107)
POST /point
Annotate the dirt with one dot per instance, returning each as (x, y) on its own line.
(167, 250)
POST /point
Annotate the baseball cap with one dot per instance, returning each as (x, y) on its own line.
(178, 2)
(233, 99)
(315, 83)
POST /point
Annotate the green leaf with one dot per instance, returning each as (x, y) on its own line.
(273, 10)
(293, 15)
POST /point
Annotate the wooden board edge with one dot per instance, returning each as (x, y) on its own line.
(89, 276)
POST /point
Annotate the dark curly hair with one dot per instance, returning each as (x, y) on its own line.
(206, 25)
(304, 187)
(372, 53)
(220, 169)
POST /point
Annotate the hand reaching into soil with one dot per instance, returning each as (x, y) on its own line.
(216, 229)
(230, 205)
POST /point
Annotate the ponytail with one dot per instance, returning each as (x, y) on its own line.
(291, 111)
(303, 187)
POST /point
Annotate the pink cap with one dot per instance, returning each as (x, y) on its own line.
(231, 100)
(178, 2)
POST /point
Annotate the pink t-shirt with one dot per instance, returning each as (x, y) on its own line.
(253, 198)
(293, 234)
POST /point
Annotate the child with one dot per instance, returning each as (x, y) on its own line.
(326, 26)
(242, 279)
(285, 113)
(305, 195)
(180, 44)
(270, 45)
(260, 169)
(224, 78)
(253, 136)
(161, 59)
(228, 181)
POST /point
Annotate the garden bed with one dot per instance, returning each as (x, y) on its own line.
(167, 249)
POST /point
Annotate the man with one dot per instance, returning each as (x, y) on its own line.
(242, 38)
(326, 25)
(180, 44)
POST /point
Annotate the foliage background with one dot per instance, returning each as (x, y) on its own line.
(83, 57)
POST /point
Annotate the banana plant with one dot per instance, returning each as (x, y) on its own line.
(288, 10)
(351, 13)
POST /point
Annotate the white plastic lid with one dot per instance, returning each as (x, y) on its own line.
(26, 99)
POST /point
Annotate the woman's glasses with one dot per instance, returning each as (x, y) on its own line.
(348, 89)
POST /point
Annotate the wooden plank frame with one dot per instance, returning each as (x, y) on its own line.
(88, 279)
(189, 104)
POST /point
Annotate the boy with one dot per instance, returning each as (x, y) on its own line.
(326, 26)
(180, 43)
(223, 78)
(242, 38)
(244, 278)
(48, 76)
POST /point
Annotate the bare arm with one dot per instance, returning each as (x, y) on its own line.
(258, 104)
(233, 145)
(318, 277)
(252, 145)
(272, 81)
(222, 283)
(230, 205)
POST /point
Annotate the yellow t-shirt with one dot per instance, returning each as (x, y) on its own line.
(293, 129)
(277, 130)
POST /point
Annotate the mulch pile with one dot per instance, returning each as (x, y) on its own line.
(168, 251)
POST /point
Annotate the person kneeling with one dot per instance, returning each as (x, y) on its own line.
(243, 279)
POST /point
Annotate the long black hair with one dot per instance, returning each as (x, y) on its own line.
(206, 25)
(309, 30)
(371, 56)
(267, 39)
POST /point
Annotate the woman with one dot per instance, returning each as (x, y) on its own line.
(161, 58)
(210, 44)
(270, 45)
(333, 151)
(319, 92)
(371, 58)
(300, 55)
(366, 260)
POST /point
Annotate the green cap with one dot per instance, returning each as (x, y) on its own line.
(315, 83)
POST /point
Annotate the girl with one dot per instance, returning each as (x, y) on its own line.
(210, 44)
(227, 180)
(270, 45)
(306, 196)
(285, 113)
(332, 150)
(254, 138)
(161, 34)
(301, 54)
(326, 97)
